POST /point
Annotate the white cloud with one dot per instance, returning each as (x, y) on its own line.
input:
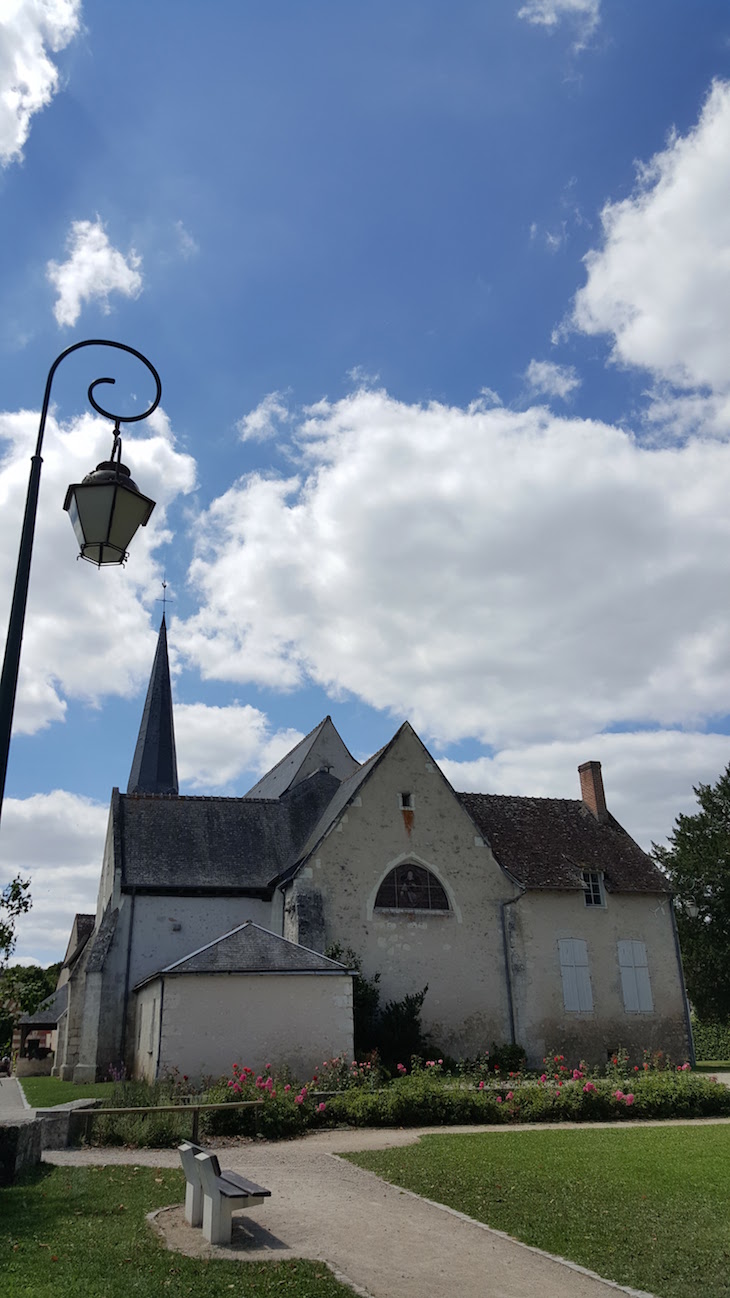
(265, 420)
(507, 576)
(217, 745)
(361, 377)
(660, 285)
(66, 597)
(585, 14)
(92, 271)
(550, 379)
(56, 840)
(29, 30)
(648, 775)
(187, 245)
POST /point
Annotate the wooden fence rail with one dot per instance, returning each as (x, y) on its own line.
(89, 1115)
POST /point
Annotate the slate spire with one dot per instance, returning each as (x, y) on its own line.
(154, 769)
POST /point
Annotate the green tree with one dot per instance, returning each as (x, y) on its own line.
(22, 988)
(697, 863)
(14, 901)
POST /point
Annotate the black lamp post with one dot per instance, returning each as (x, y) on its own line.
(105, 509)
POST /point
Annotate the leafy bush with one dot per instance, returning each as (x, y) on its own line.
(712, 1040)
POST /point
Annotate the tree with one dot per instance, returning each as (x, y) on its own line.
(22, 989)
(697, 863)
(14, 900)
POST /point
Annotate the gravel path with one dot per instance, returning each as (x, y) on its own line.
(383, 1241)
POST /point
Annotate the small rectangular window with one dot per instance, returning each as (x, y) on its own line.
(406, 801)
(577, 991)
(593, 888)
(635, 984)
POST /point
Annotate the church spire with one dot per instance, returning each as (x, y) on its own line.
(154, 769)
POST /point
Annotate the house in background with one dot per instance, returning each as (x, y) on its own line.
(530, 919)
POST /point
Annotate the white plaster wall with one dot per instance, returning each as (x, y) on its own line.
(107, 880)
(211, 1021)
(459, 955)
(157, 941)
(540, 920)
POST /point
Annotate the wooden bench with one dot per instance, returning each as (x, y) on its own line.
(212, 1195)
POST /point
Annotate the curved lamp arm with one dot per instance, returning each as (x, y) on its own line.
(11, 661)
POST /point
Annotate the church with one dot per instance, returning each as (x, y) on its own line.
(535, 920)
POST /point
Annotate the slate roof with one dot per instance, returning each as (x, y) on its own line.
(547, 842)
(49, 1011)
(214, 844)
(83, 927)
(154, 766)
(252, 949)
(323, 743)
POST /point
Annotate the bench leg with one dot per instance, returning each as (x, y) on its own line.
(217, 1213)
(194, 1204)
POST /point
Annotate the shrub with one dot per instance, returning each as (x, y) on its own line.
(712, 1040)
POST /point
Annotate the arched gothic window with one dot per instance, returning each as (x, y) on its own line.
(411, 887)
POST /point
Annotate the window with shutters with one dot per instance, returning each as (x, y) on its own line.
(577, 992)
(635, 983)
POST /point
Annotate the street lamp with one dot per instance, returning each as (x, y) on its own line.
(105, 510)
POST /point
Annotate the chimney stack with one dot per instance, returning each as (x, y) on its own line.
(591, 789)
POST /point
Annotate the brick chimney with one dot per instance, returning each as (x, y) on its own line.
(591, 789)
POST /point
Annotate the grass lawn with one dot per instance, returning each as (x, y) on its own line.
(45, 1092)
(66, 1231)
(647, 1207)
(712, 1066)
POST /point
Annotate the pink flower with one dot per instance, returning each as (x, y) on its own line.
(321, 1108)
(499, 1099)
(267, 1066)
(230, 1083)
(686, 1068)
(589, 1087)
(629, 1099)
(237, 1088)
(543, 1077)
(287, 1088)
(402, 1068)
(510, 1095)
(577, 1074)
(619, 1095)
(298, 1099)
(441, 1061)
(481, 1086)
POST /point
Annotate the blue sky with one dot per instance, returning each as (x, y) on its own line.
(438, 296)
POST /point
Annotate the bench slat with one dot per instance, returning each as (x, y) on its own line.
(250, 1187)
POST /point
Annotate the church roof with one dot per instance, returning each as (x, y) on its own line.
(83, 927)
(547, 842)
(154, 767)
(252, 949)
(217, 844)
(321, 749)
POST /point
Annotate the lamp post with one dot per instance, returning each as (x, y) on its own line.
(105, 510)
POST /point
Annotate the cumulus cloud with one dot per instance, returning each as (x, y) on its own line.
(265, 420)
(648, 775)
(660, 284)
(508, 576)
(56, 840)
(551, 380)
(66, 596)
(32, 30)
(584, 14)
(92, 270)
(217, 745)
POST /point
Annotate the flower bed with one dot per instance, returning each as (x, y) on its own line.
(424, 1094)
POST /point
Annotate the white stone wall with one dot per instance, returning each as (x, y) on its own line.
(539, 920)
(168, 928)
(211, 1021)
(460, 955)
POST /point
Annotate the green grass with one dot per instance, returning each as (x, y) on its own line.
(45, 1092)
(66, 1231)
(712, 1066)
(646, 1207)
